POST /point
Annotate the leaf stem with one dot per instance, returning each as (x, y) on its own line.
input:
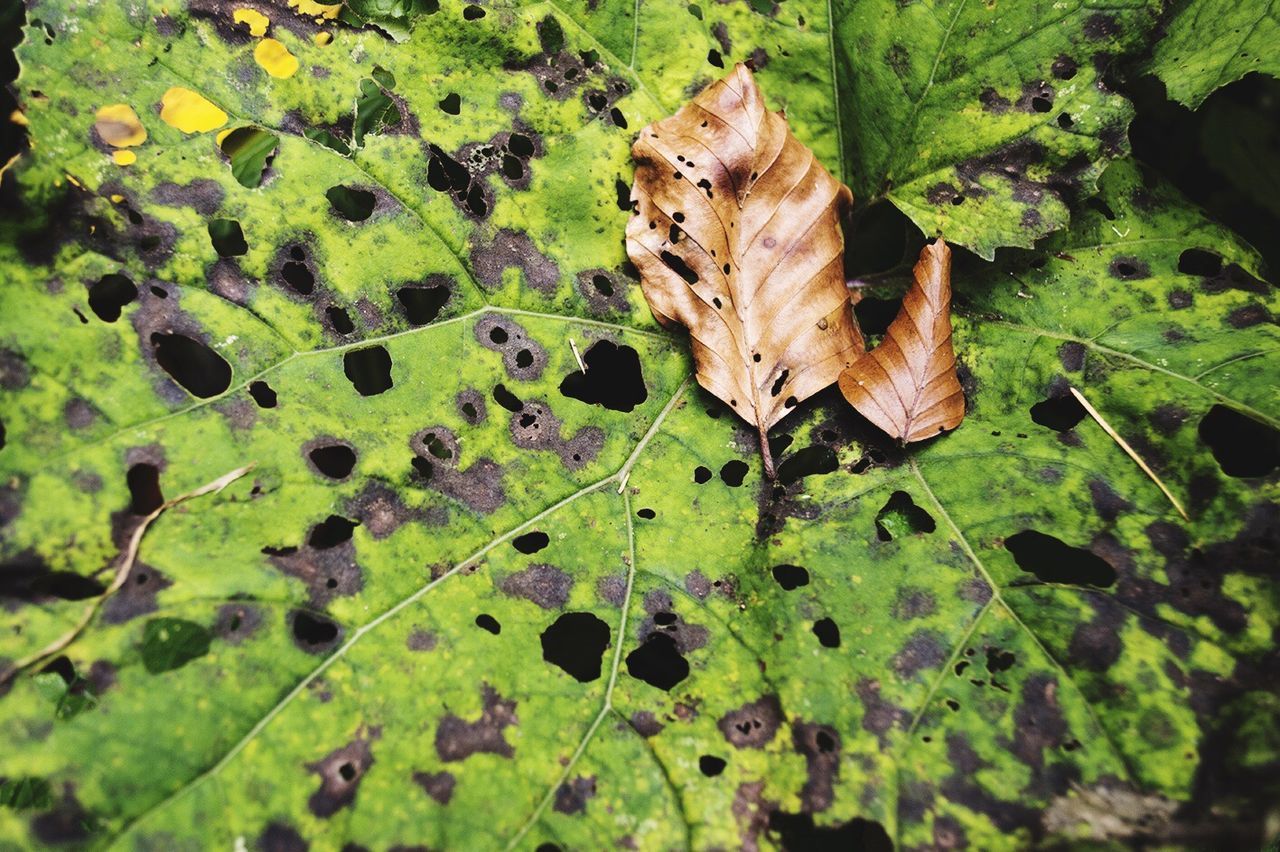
(765, 455)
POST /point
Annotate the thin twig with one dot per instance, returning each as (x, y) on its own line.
(127, 557)
(577, 356)
(1124, 445)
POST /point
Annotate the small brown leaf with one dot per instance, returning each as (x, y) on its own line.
(907, 385)
(737, 237)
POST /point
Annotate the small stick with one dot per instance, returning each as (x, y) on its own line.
(127, 558)
(1124, 445)
(577, 356)
(623, 483)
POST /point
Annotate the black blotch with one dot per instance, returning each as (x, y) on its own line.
(452, 103)
(603, 285)
(531, 542)
(25, 577)
(369, 369)
(797, 831)
(623, 192)
(1064, 67)
(1199, 262)
(702, 474)
(616, 116)
(144, 488)
(658, 662)
(779, 382)
(790, 577)
(473, 13)
(109, 294)
(901, 505)
(354, 205)
(874, 315)
(1129, 269)
(227, 238)
(710, 765)
(334, 460)
(339, 320)
(507, 399)
(714, 57)
(1052, 560)
(1059, 413)
(298, 277)
(612, 379)
(647, 514)
(263, 394)
(576, 642)
(485, 621)
(1242, 447)
(811, 461)
(828, 633)
(733, 472)
(331, 532)
(520, 145)
(313, 632)
(999, 660)
(677, 265)
(203, 372)
(422, 304)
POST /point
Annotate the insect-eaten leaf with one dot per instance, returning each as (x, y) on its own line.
(736, 234)
(907, 385)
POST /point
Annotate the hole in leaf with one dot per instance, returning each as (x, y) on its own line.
(313, 632)
(1053, 561)
(1196, 261)
(249, 149)
(710, 765)
(487, 622)
(369, 370)
(701, 474)
(298, 277)
(874, 315)
(828, 633)
(144, 488)
(900, 517)
(334, 460)
(227, 237)
(451, 103)
(354, 205)
(1242, 447)
(811, 461)
(647, 514)
(790, 577)
(612, 379)
(262, 394)
(109, 294)
(531, 542)
(576, 642)
(331, 532)
(677, 265)
(657, 662)
(339, 320)
(200, 370)
(734, 472)
(1059, 413)
(507, 399)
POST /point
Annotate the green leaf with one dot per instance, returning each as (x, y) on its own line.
(390, 631)
(249, 149)
(22, 794)
(1210, 43)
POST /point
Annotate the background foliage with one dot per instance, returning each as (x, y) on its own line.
(472, 595)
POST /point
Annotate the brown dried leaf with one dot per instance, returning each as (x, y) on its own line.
(737, 237)
(907, 385)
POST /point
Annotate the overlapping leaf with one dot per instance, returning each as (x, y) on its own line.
(1211, 43)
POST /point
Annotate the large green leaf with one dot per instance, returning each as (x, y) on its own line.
(506, 614)
(1210, 43)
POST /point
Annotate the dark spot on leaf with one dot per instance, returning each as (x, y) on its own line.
(368, 369)
(1064, 67)
(901, 516)
(26, 578)
(658, 662)
(790, 577)
(200, 370)
(487, 622)
(999, 660)
(1242, 447)
(458, 739)
(262, 394)
(171, 643)
(1071, 354)
(545, 585)
(1100, 26)
(109, 294)
(312, 632)
(1053, 561)
(143, 480)
(753, 725)
(1129, 269)
(828, 633)
(798, 832)
(820, 747)
(227, 238)
(733, 472)
(612, 379)
(811, 461)
(352, 204)
(437, 785)
(1060, 413)
(572, 796)
(340, 771)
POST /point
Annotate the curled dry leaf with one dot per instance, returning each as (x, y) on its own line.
(737, 237)
(907, 385)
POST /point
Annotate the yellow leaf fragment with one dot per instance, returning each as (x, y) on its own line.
(19, 118)
(190, 112)
(256, 21)
(119, 127)
(275, 58)
(124, 158)
(322, 38)
(319, 10)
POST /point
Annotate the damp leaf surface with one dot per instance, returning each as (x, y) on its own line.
(907, 384)
(477, 593)
(736, 236)
(1210, 43)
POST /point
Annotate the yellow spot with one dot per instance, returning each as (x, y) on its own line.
(18, 117)
(73, 181)
(223, 134)
(124, 158)
(256, 20)
(119, 127)
(320, 10)
(275, 58)
(117, 198)
(189, 112)
(322, 38)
